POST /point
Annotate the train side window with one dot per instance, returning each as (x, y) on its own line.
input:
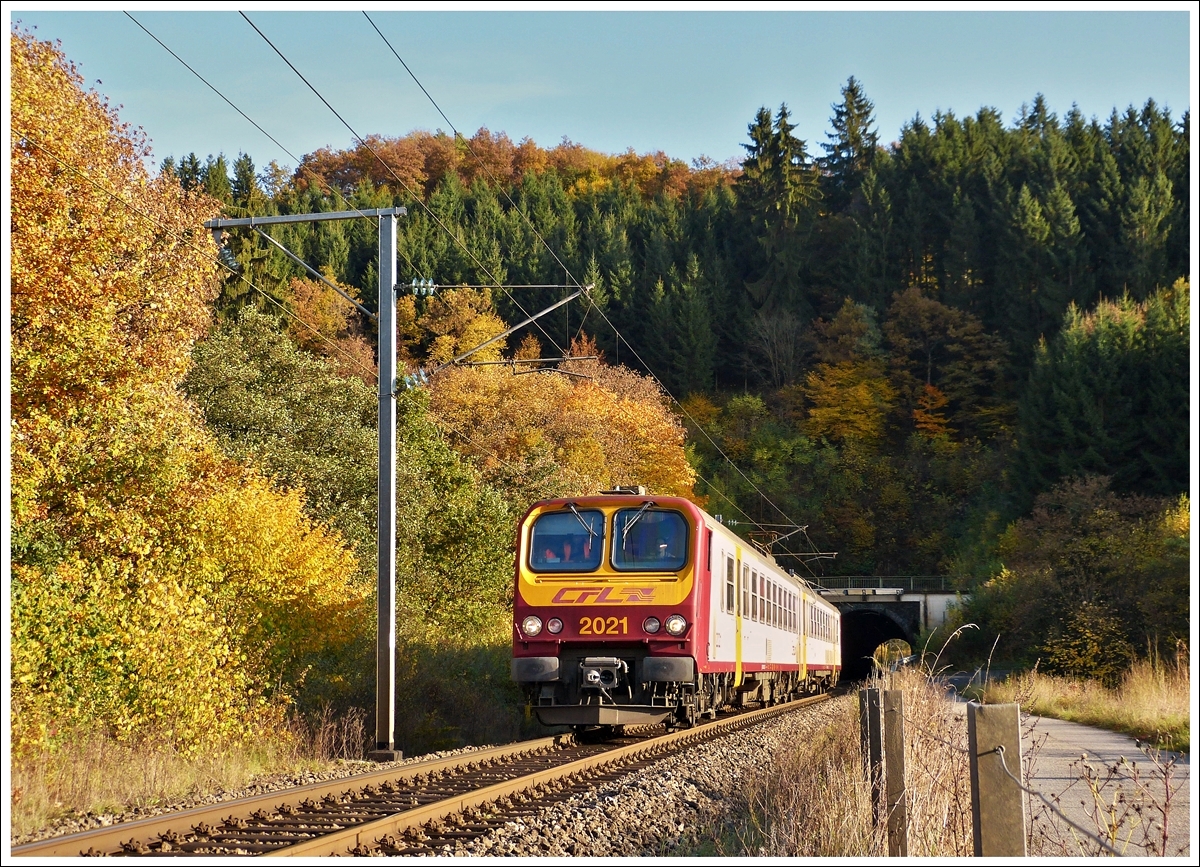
(754, 596)
(774, 593)
(729, 588)
(745, 590)
(710, 552)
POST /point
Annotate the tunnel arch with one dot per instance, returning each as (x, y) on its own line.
(864, 628)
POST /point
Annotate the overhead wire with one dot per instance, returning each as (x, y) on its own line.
(571, 277)
(330, 189)
(420, 202)
(321, 182)
(33, 140)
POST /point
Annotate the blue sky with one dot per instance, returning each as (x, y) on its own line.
(684, 81)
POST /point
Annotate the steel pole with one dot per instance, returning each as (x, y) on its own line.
(385, 644)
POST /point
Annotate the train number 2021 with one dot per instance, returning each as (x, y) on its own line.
(604, 626)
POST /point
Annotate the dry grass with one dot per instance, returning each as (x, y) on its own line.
(1152, 703)
(92, 773)
(815, 802)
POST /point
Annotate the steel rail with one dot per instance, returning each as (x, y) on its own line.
(269, 823)
(367, 834)
(109, 839)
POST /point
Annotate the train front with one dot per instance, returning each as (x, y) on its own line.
(604, 613)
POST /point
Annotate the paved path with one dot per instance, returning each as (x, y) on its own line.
(1056, 748)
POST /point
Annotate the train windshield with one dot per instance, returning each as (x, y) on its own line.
(570, 541)
(650, 540)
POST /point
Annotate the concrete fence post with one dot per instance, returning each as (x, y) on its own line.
(871, 733)
(997, 804)
(893, 751)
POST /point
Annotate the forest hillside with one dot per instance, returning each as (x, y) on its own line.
(962, 353)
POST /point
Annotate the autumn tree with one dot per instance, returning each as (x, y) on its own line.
(157, 587)
(942, 354)
(1088, 562)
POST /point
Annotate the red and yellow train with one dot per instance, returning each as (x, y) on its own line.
(631, 608)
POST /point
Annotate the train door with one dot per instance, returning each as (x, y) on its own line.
(740, 602)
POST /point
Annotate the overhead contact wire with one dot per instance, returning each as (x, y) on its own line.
(79, 172)
(572, 277)
(457, 240)
(299, 163)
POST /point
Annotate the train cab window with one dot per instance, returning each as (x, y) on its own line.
(729, 588)
(567, 541)
(649, 539)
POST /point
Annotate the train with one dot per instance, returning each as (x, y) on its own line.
(630, 608)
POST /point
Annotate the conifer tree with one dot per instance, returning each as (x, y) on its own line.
(245, 188)
(215, 179)
(851, 148)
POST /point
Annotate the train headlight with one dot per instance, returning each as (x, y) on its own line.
(651, 625)
(676, 625)
(531, 625)
(554, 626)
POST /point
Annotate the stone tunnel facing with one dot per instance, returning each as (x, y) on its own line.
(862, 632)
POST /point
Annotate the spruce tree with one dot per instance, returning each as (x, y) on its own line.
(190, 171)
(245, 186)
(215, 178)
(851, 148)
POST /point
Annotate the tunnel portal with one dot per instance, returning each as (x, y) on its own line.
(865, 626)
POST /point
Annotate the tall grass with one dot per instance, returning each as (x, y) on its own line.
(813, 799)
(89, 772)
(1152, 702)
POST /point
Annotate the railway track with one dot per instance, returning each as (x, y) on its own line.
(413, 809)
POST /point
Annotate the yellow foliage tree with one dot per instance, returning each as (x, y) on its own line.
(848, 400)
(461, 319)
(540, 434)
(157, 587)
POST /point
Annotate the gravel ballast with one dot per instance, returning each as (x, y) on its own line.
(657, 809)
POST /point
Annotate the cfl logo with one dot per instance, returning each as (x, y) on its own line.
(603, 596)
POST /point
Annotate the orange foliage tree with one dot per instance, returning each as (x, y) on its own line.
(157, 587)
(331, 327)
(540, 433)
